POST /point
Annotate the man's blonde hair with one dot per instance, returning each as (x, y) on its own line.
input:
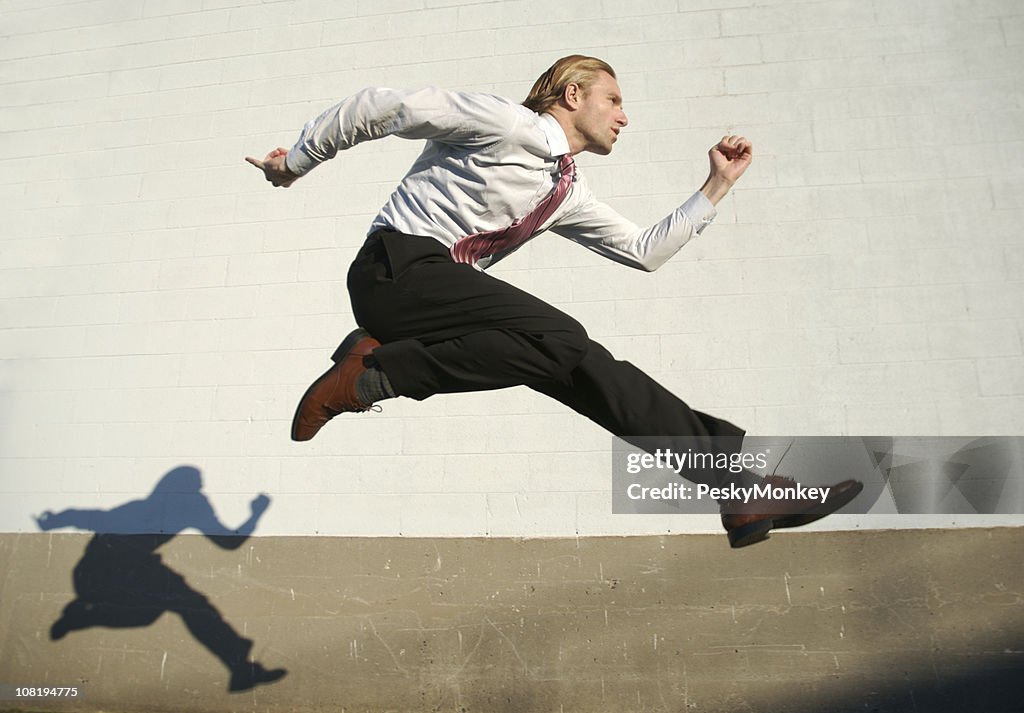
(575, 69)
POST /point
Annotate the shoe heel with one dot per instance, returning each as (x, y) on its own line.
(750, 533)
(346, 346)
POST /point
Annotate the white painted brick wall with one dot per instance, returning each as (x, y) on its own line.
(160, 305)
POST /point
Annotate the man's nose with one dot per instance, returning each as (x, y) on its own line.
(623, 119)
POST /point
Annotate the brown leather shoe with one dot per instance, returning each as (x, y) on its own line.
(749, 523)
(335, 391)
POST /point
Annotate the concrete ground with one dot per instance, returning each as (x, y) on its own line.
(884, 621)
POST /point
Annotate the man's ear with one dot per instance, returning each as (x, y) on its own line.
(572, 95)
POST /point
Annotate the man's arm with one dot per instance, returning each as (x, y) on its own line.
(600, 228)
(82, 519)
(205, 520)
(460, 118)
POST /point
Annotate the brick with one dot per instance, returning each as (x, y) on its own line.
(781, 18)
(20, 253)
(565, 472)
(795, 348)
(986, 301)
(905, 419)
(825, 419)
(787, 274)
(797, 46)
(876, 269)
(158, 8)
(481, 473)
(322, 265)
(813, 169)
(592, 283)
(221, 302)
(937, 12)
(87, 309)
(465, 511)
(28, 311)
(687, 352)
(717, 390)
(543, 514)
(1014, 262)
(58, 17)
(956, 266)
(262, 269)
(376, 8)
(976, 338)
(1001, 376)
(906, 100)
(547, 284)
(204, 272)
(32, 45)
(995, 94)
(922, 303)
(477, 16)
(1006, 190)
(112, 407)
(155, 306)
(288, 298)
(681, 277)
(251, 403)
(993, 415)
(926, 67)
(821, 202)
(883, 343)
(107, 135)
(191, 24)
(134, 81)
(854, 134)
(317, 10)
(1013, 30)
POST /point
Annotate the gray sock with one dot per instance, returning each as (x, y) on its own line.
(373, 386)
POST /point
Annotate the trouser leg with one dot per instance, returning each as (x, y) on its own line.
(631, 405)
(447, 327)
(205, 622)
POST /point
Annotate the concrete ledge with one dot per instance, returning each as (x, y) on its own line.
(897, 621)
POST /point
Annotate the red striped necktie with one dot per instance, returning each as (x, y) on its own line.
(473, 247)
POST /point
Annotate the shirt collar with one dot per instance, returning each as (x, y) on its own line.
(558, 143)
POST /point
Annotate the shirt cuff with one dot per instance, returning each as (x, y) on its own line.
(697, 208)
(298, 162)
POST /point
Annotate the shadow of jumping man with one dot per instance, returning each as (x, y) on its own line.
(121, 582)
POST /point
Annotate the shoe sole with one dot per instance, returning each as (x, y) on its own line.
(757, 531)
(347, 345)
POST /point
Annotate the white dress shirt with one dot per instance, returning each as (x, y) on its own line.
(487, 162)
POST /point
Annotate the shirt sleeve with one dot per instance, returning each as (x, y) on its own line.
(460, 118)
(600, 228)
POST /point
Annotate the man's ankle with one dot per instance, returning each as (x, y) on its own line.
(373, 385)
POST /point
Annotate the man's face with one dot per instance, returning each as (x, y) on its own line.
(600, 117)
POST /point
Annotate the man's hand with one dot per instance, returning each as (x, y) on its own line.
(259, 504)
(274, 168)
(729, 159)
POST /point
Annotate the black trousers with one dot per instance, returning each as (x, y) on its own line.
(446, 327)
